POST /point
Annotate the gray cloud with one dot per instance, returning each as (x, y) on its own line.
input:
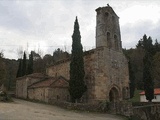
(47, 24)
(131, 33)
(13, 17)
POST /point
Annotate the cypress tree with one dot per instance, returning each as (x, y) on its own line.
(30, 64)
(76, 84)
(132, 80)
(19, 72)
(24, 64)
(147, 77)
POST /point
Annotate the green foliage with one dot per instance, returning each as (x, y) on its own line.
(136, 57)
(30, 64)
(147, 77)
(76, 84)
(2, 72)
(59, 55)
(145, 43)
(156, 66)
(5, 97)
(24, 65)
(136, 97)
(19, 72)
(132, 80)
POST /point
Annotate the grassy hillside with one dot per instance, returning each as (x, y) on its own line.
(136, 97)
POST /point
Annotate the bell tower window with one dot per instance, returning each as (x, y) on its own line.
(109, 40)
(116, 42)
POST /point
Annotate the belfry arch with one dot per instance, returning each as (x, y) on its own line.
(109, 40)
(114, 95)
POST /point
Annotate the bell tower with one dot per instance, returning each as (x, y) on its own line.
(107, 29)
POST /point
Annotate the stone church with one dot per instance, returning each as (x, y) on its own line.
(106, 67)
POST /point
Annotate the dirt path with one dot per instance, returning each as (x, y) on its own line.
(24, 110)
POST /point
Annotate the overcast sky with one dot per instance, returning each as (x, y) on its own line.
(48, 24)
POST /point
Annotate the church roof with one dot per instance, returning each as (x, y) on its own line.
(109, 8)
(51, 82)
(34, 75)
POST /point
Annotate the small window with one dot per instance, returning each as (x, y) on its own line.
(155, 97)
(116, 42)
(115, 36)
(58, 97)
(109, 40)
(108, 36)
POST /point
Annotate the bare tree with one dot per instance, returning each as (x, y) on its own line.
(20, 52)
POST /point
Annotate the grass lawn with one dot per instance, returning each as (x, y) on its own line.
(136, 97)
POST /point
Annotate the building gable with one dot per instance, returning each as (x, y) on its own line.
(60, 82)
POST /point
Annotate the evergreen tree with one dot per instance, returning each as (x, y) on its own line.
(156, 47)
(76, 84)
(30, 64)
(145, 43)
(24, 64)
(19, 72)
(132, 80)
(156, 69)
(147, 77)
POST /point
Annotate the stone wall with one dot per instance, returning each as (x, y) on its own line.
(22, 83)
(62, 69)
(122, 108)
(104, 69)
(20, 88)
(147, 112)
(39, 94)
(111, 72)
(48, 94)
(80, 106)
(90, 68)
(142, 111)
(58, 94)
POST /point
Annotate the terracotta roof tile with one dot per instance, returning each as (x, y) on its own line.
(44, 83)
(51, 82)
(34, 75)
(156, 92)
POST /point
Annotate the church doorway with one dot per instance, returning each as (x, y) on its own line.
(113, 95)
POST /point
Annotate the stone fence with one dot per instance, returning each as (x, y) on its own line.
(137, 111)
(147, 112)
(142, 111)
(124, 108)
(101, 107)
(134, 111)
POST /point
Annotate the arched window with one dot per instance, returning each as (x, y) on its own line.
(58, 97)
(109, 40)
(116, 42)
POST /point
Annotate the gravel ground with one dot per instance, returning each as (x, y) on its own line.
(24, 110)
